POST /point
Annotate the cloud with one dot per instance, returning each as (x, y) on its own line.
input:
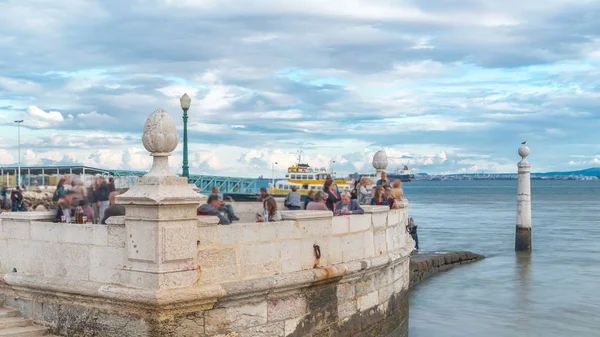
(337, 79)
(40, 119)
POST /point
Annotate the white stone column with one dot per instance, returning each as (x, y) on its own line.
(160, 220)
(523, 230)
(380, 163)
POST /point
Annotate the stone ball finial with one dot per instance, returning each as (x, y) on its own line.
(524, 151)
(380, 161)
(160, 134)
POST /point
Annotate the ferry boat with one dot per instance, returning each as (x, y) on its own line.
(306, 178)
(404, 175)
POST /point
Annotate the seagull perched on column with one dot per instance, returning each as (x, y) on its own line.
(525, 142)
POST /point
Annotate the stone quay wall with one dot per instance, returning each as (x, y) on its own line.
(424, 266)
(310, 275)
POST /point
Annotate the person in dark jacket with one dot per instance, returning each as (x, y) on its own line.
(412, 230)
(16, 198)
(348, 206)
(102, 194)
(212, 208)
(310, 197)
(111, 185)
(332, 196)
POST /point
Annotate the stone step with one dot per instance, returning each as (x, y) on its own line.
(6, 312)
(28, 331)
(14, 322)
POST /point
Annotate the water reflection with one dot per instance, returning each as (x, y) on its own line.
(523, 293)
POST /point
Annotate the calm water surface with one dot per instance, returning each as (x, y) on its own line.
(555, 291)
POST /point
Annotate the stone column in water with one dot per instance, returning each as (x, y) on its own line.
(160, 220)
(523, 230)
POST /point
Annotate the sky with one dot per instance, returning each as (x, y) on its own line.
(443, 86)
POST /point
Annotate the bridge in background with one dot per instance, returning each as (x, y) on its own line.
(47, 175)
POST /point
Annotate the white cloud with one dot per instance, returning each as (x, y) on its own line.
(6, 157)
(19, 85)
(38, 118)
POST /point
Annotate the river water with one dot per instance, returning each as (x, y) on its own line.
(554, 291)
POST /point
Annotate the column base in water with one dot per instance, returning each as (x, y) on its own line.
(523, 239)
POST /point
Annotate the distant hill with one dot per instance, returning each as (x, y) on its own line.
(589, 172)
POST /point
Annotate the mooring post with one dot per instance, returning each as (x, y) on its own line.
(523, 230)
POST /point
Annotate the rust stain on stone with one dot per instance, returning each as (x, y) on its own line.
(197, 283)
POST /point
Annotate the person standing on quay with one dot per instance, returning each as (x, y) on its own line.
(111, 185)
(102, 194)
(384, 181)
(60, 190)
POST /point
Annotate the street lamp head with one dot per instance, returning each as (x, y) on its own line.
(185, 101)
(19, 121)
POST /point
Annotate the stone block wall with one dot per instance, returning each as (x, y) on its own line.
(251, 250)
(253, 279)
(37, 248)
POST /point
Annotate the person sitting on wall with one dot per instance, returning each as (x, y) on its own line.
(309, 198)
(319, 203)
(293, 201)
(212, 208)
(270, 210)
(389, 195)
(384, 181)
(263, 194)
(64, 212)
(348, 206)
(114, 209)
(362, 193)
(88, 211)
(397, 190)
(379, 197)
(225, 207)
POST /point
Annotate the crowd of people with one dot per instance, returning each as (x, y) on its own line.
(96, 202)
(330, 198)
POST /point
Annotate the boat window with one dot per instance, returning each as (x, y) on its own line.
(310, 177)
(293, 176)
(287, 175)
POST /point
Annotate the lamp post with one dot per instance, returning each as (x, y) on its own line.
(19, 150)
(273, 173)
(185, 101)
(331, 162)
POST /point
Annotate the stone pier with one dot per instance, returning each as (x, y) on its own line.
(163, 271)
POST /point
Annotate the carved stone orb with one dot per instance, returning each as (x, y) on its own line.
(524, 151)
(380, 161)
(160, 133)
